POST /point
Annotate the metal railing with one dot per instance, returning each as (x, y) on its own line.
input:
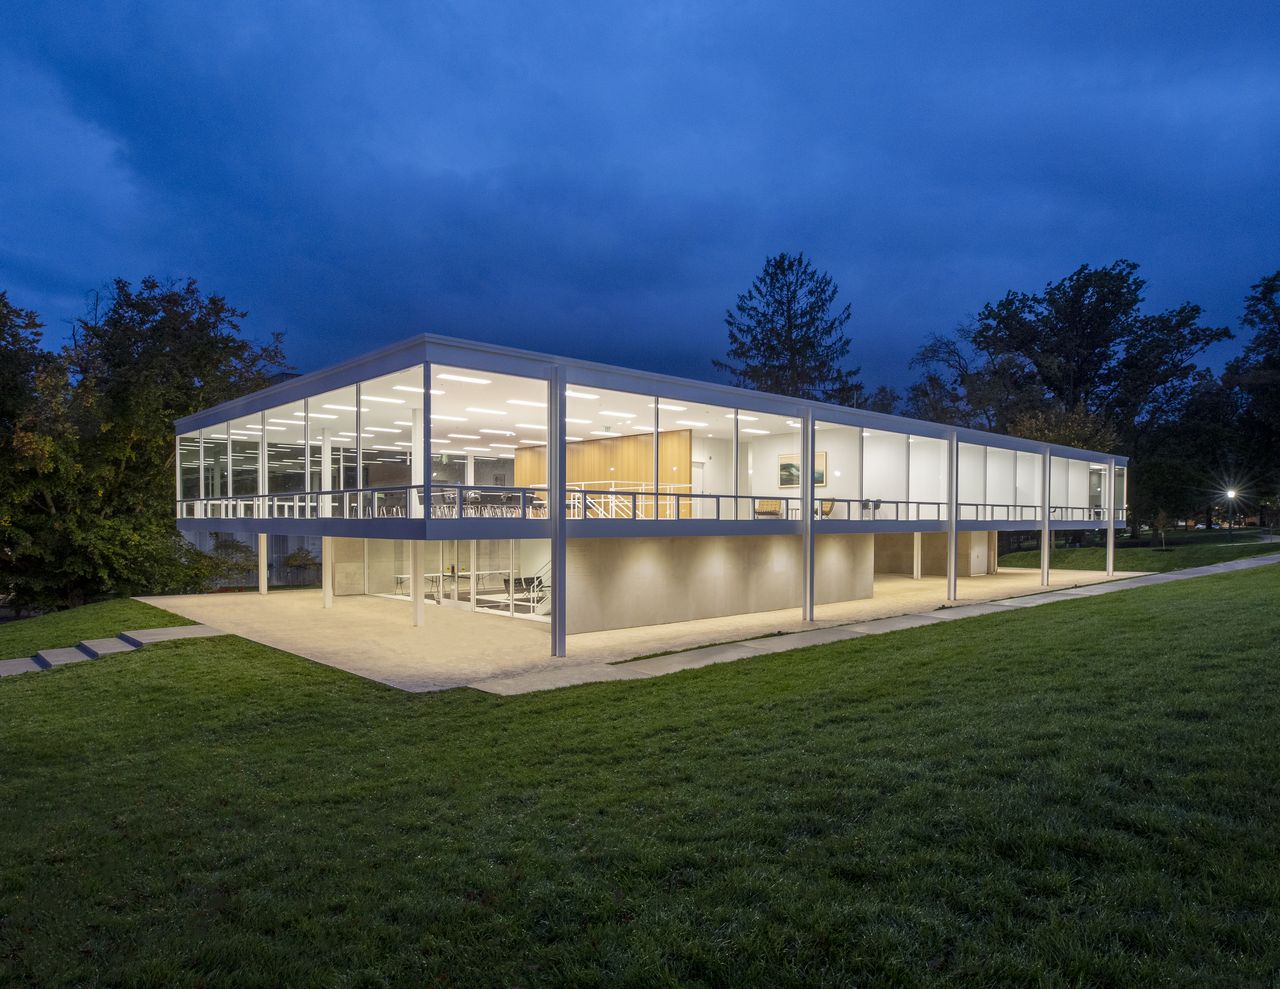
(978, 511)
(878, 510)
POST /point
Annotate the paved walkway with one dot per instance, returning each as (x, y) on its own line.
(47, 659)
(695, 658)
(374, 637)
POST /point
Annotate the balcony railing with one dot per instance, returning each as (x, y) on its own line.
(480, 501)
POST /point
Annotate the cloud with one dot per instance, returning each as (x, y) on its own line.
(602, 180)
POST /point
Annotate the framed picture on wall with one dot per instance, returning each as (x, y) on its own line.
(789, 470)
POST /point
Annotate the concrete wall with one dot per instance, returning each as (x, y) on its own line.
(622, 583)
(976, 553)
(348, 566)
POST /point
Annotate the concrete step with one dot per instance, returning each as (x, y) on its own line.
(145, 636)
(61, 657)
(104, 647)
(12, 667)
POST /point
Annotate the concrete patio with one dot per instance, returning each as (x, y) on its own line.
(373, 637)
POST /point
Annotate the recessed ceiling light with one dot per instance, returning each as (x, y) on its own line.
(498, 432)
(440, 441)
(504, 446)
(643, 429)
(506, 456)
(462, 436)
(486, 412)
(344, 408)
(603, 432)
(573, 439)
(315, 415)
(529, 425)
(534, 442)
(450, 418)
(690, 422)
(618, 415)
(578, 422)
(526, 402)
(437, 391)
(403, 443)
(743, 418)
(401, 422)
(570, 393)
(748, 429)
(379, 398)
(465, 379)
(383, 429)
(669, 408)
(415, 390)
(476, 449)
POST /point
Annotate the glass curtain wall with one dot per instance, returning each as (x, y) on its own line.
(391, 428)
(838, 452)
(695, 459)
(488, 440)
(885, 466)
(1029, 485)
(609, 456)
(770, 469)
(284, 430)
(927, 478)
(216, 462)
(1120, 495)
(246, 462)
(333, 420)
(189, 475)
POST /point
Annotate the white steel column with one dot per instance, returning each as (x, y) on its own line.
(1109, 496)
(806, 516)
(917, 555)
(416, 470)
(417, 580)
(1046, 535)
(326, 570)
(556, 505)
(657, 462)
(953, 498)
(262, 563)
(326, 472)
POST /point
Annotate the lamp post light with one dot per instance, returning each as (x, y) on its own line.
(1231, 511)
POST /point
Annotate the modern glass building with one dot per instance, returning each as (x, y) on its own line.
(456, 474)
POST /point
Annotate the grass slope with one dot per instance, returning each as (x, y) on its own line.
(1144, 559)
(92, 621)
(1082, 793)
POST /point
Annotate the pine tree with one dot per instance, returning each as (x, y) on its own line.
(786, 337)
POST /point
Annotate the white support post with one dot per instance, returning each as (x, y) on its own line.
(806, 516)
(556, 505)
(416, 469)
(657, 461)
(1109, 494)
(326, 570)
(917, 556)
(326, 472)
(953, 498)
(262, 563)
(417, 581)
(1046, 534)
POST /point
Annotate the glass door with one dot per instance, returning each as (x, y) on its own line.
(457, 569)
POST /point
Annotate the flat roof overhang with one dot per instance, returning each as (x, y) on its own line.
(429, 348)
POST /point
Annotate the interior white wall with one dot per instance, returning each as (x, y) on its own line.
(1030, 480)
(928, 477)
(884, 465)
(759, 462)
(843, 447)
(716, 457)
(1077, 484)
(1058, 482)
(972, 474)
(1001, 487)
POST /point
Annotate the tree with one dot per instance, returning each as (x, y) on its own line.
(1079, 363)
(91, 472)
(786, 337)
(1256, 375)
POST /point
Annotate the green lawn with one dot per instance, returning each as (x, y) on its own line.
(1084, 793)
(93, 621)
(1150, 560)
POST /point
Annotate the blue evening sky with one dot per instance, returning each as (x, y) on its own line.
(602, 179)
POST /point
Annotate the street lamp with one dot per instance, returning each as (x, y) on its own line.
(1231, 516)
